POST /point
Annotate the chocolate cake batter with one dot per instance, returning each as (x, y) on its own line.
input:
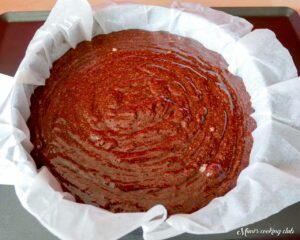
(135, 118)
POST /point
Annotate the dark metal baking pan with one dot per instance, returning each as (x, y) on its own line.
(16, 30)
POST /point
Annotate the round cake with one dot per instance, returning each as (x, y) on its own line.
(134, 118)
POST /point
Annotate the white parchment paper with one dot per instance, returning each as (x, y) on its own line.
(270, 183)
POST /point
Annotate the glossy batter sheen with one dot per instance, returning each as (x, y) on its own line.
(136, 118)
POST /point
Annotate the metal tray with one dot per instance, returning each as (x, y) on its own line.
(16, 30)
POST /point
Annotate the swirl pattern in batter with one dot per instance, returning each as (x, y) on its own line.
(135, 118)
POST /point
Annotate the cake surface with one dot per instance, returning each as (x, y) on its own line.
(135, 118)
